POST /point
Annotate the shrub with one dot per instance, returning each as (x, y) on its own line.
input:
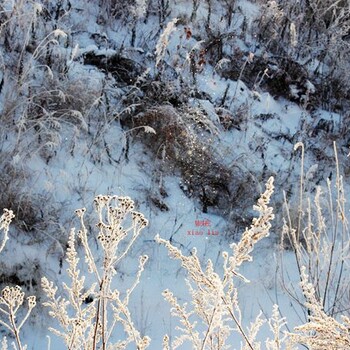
(88, 312)
(318, 232)
(214, 296)
(123, 8)
(181, 141)
(33, 213)
(92, 310)
(12, 298)
(314, 33)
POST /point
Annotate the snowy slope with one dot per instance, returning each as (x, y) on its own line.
(65, 159)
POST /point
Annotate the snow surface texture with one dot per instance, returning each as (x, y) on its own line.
(82, 86)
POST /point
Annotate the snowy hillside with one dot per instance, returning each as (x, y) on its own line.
(188, 108)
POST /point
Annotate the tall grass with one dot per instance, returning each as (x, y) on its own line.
(90, 308)
(319, 238)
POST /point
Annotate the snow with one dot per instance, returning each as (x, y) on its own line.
(93, 160)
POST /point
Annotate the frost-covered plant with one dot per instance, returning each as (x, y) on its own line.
(271, 16)
(12, 298)
(248, 60)
(139, 9)
(90, 325)
(164, 41)
(215, 295)
(92, 311)
(11, 301)
(321, 331)
(276, 324)
(319, 238)
(31, 56)
(313, 32)
(123, 8)
(5, 221)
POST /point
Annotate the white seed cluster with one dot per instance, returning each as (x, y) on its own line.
(12, 296)
(85, 325)
(5, 221)
(6, 218)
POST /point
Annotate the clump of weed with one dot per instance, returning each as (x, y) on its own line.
(182, 141)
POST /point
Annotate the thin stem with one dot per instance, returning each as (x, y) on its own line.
(104, 320)
(237, 323)
(330, 265)
(48, 342)
(6, 325)
(341, 216)
(292, 237)
(133, 239)
(209, 329)
(24, 319)
(14, 329)
(301, 189)
(94, 341)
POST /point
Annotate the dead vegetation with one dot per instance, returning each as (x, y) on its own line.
(35, 217)
(182, 142)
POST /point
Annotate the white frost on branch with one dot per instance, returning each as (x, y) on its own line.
(139, 9)
(164, 41)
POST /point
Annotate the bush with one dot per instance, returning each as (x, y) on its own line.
(90, 311)
(181, 142)
(317, 231)
(314, 33)
(215, 297)
(33, 213)
(93, 310)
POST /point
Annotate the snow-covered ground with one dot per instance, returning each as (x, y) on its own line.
(90, 152)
